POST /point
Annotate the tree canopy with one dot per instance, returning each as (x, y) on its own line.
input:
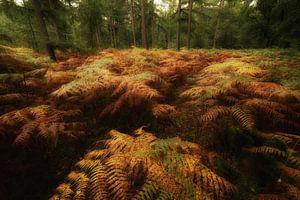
(97, 24)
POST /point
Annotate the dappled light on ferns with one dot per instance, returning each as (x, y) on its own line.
(143, 167)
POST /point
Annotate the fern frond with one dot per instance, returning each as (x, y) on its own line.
(63, 191)
(292, 191)
(126, 170)
(118, 182)
(13, 98)
(291, 173)
(193, 93)
(214, 113)
(244, 118)
(80, 184)
(41, 123)
(120, 142)
(147, 192)
(263, 106)
(99, 183)
(163, 110)
(133, 94)
(286, 138)
(212, 184)
(267, 150)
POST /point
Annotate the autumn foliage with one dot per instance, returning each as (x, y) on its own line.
(242, 125)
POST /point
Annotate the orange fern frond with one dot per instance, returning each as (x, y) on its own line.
(214, 113)
(291, 173)
(244, 118)
(42, 122)
(163, 110)
(133, 94)
(127, 169)
(286, 138)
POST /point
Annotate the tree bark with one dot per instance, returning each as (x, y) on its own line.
(178, 25)
(152, 23)
(216, 35)
(34, 43)
(190, 23)
(43, 29)
(132, 22)
(144, 30)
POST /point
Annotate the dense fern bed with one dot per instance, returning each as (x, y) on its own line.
(156, 124)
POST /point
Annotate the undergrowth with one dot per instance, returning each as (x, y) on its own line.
(239, 110)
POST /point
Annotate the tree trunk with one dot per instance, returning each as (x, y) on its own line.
(178, 25)
(114, 34)
(43, 29)
(132, 21)
(190, 23)
(216, 35)
(98, 35)
(144, 30)
(152, 23)
(70, 5)
(34, 43)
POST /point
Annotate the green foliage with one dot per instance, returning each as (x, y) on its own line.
(98, 24)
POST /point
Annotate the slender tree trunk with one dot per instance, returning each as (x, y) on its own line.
(70, 5)
(43, 29)
(98, 35)
(190, 23)
(114, 35)
(144, 30)
(34, 43)
(111, 33)
(152, 23)
(216, 35)
(169, 34)
(55, 21)
(178, 25)
(132, 22)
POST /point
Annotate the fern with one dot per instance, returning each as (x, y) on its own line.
(42, 123)
(214, 113)
(13, 98)
(126, 170)
(133, 94)
(163, 110)
(245, 119)
(292, 192)
(266, 150)
(291, 173)
(288, 139)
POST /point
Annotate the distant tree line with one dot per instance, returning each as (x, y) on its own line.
(98, 24)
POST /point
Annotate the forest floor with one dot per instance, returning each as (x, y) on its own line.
(241, 108)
